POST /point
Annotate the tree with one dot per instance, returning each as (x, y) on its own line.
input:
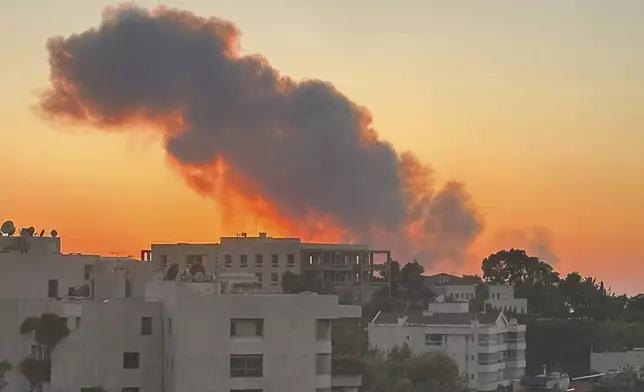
(514, 267)
(481, 295)
(401, 371)
(626, 381)
(37, 371)
(294, 283)
(5, 368)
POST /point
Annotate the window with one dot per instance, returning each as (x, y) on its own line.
(195, 259)
(275, 260)
(275, 278)
(52, 288)
(246, 327)
(246, 365)
(290, 260)
(130, 389)
(228, 261)
(164, 261)
(130, 360)
(259, 277)
(472, 376)
(243, 261)
(146, 326)
(323, 330)
(259, 260)
(169, 326)
(88, 271)
(433, 339)
(128, 288)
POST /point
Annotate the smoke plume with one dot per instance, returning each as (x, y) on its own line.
(299, 153)
(537, 242)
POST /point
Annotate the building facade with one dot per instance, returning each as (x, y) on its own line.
(457, 288)
(488, 348)
(131, 331)
(342, 266)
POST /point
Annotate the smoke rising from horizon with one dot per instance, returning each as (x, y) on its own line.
(298, 151)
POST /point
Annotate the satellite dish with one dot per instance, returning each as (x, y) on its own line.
(172, 273)
(8, 228)
(54, 233)
(31, 230)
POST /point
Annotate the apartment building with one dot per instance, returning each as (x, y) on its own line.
(131, 331)
(457, 288)
(488, 348)
(268, 258)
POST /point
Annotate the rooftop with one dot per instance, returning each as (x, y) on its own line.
(487, 318)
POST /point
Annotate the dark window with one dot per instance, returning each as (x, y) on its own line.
(275, 278)
(275, 260)
(164, 261)
(243, 260)
(259, 260)
(130, 360)
(146, 325)
(128, 288)
(52, 288)
(259, 276)
(246, 327)
(88, 270)
(228, 260)
(130, 389)
(245, 365)
(290, 259)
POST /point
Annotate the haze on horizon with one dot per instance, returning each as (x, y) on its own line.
(533, 106)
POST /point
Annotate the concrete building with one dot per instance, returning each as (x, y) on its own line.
(343, 266)
(130, 331)
(488, 348)
(460, 288)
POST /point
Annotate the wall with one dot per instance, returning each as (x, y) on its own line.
(200, 345)
(93, 355)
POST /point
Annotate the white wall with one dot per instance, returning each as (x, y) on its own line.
(93, 355)
(201, 345)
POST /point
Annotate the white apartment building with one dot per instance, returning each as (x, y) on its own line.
(268, 258)
(501, 297)
(130, 331)
(488, 348)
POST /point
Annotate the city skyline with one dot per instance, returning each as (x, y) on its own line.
(538, 121)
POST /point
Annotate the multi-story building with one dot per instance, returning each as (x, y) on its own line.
(132, 331)
(488, 348)
(501, 297)
(268, 258)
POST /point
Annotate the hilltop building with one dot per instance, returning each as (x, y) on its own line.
(488, 348)
(342, 266)
(501, 297)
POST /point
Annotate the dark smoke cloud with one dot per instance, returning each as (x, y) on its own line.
(304, 144)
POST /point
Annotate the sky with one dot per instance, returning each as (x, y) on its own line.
(534, 105)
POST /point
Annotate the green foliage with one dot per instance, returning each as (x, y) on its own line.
(51, 329)
(37, 371)
(348, 337)
(294, 283)
(5, 368)
(401, 371)
(514, 267)
(627, 381)
(618, 335)
(29, 325)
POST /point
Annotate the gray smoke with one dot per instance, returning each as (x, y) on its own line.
(304, 145)
(537, 242)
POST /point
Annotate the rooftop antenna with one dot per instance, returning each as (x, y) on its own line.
(8, 228)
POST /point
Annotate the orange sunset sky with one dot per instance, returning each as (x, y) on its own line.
(536, 106)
